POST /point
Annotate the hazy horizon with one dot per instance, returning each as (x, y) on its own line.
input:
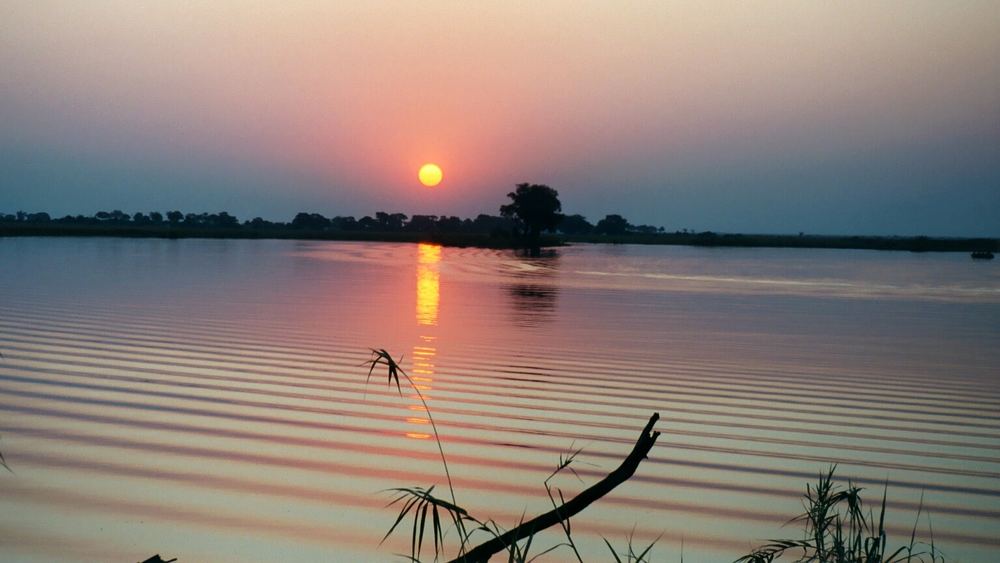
(780, 117)
(593, 220)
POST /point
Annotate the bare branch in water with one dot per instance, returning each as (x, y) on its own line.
(572, 507)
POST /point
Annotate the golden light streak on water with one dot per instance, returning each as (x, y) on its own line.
(428, 284)
(428, 299)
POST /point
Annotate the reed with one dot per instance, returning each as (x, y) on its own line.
(630, 554)
(838, 529)
(381, 357)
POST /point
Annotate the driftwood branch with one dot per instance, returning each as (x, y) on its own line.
(572, 507)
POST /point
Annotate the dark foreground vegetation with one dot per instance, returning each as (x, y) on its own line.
(489, 231)
(838, 525)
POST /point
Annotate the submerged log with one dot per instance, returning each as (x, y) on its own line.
(572, 507)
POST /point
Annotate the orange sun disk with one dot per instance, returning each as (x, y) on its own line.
(430, 175)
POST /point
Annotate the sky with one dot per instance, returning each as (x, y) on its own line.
(852, 117)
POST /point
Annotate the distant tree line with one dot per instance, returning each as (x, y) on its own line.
(485, 230)
(381, 222)
(610, 225)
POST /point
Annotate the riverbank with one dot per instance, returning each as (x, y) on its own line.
(911, 244)
(499, 240)
(243, 232)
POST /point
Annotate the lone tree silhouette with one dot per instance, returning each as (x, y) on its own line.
(535, 207)
(612, 225)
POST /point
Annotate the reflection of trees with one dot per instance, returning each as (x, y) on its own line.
(534, 291)
(533, 303)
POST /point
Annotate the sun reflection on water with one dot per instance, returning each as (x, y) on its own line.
(428, 299)
(428, 284)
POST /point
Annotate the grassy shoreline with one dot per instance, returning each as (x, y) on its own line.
(911, 244)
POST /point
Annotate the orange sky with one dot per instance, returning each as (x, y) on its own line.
(670, 113)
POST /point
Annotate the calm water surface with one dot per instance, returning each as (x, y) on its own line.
(205, 400)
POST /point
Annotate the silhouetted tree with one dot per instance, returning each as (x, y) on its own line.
(310, 221)
(224, 219)
(173, 216)
(397, 221)
(366, 223)
(612, 225)
(494, 225)
(575, 225)
(390, 221)
(535, 207)
(348, 223)
(449, 224)
(259, 223)
(155, 217)
(422, 223)
(646, 229)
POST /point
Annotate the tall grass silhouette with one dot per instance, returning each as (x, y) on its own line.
(837, 529)
(418, 501)
(3, 462)
(393, 369)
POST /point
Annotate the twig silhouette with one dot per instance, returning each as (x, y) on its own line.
(572, 507)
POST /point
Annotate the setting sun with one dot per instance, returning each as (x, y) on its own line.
(430, 175)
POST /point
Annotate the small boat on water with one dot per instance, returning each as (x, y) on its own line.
(982, 255)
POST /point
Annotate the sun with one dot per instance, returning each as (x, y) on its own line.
(430, 175)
